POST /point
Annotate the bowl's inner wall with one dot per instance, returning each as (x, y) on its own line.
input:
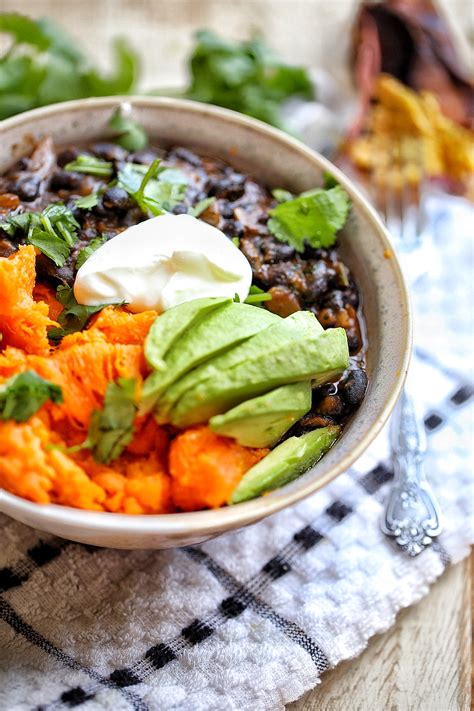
(278, 162)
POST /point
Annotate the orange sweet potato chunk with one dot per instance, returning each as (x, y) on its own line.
(205, 468)
(23, 321)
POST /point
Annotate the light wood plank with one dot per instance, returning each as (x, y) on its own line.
(421, 664)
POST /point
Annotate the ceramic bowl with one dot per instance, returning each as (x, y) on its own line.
(278, 160)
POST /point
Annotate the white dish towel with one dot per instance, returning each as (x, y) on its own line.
(251, 620)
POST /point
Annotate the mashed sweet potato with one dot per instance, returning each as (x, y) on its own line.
(205, 468)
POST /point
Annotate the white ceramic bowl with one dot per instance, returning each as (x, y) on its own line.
(278, 160)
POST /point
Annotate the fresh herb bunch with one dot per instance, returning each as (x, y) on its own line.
(53, 231)
(43, 65)
(244, 76)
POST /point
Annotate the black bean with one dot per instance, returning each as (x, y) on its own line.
(318, 276)
(27, 187)
(65, 180)
(231, 188)
(116, 198)
(109, 151)
(226, 209)
(352, 388)
(179, 209)
(144, 157)
(67, 156)
(274, 251)
(335, 300)
(323, 390)
(329, 406)
(353, 342)
(186, 155)
(233, 228)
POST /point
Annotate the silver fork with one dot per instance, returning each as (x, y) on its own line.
(412, 515)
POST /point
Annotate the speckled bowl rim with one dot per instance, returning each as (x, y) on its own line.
(215, 521)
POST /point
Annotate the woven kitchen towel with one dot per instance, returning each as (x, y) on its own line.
(251, 620)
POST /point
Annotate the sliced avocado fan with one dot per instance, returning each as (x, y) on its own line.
(281, 331)
(284, 463)
(262, 421)
(221, 329)
(317, 358)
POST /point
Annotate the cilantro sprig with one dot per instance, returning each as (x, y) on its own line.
(312, 218)
(155, 189)
(130, 135)
(90, 165)
(53, 231)
(22, 395)
(111, 429)
(201, 206)
(74, 316)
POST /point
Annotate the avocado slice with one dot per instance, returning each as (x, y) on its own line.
(281, 331)
(284, 463)
(262, 421)
(167, 328)
(220, 330)
(318, 358)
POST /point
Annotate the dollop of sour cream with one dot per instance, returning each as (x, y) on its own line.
(161, 263)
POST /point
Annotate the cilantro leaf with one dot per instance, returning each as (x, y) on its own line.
(111, 429)
(84, 253)
(281, 195)
(155, 190)
(22, 395)
(88, 201)
(314, 217)
(201, 206)
(74, 316)
(244, 76)
(131, 135)
(90, 165)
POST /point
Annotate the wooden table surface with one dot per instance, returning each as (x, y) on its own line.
(423, 662)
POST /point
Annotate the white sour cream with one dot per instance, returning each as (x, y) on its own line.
(163, 262)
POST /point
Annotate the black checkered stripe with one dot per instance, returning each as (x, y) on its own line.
(242, 596)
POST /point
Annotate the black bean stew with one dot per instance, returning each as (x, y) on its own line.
(317, 279)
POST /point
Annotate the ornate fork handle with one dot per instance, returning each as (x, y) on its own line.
(412, 514)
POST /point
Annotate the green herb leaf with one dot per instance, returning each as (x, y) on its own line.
(155, 190)
(90, 165)
(111, 429)
(131, 135)
(314, 218)
(53, 231)
(74, 317)
(201, 206)
(22, 395)
(88, 201)
(282, 195)
(84, 253)
(244, 76)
